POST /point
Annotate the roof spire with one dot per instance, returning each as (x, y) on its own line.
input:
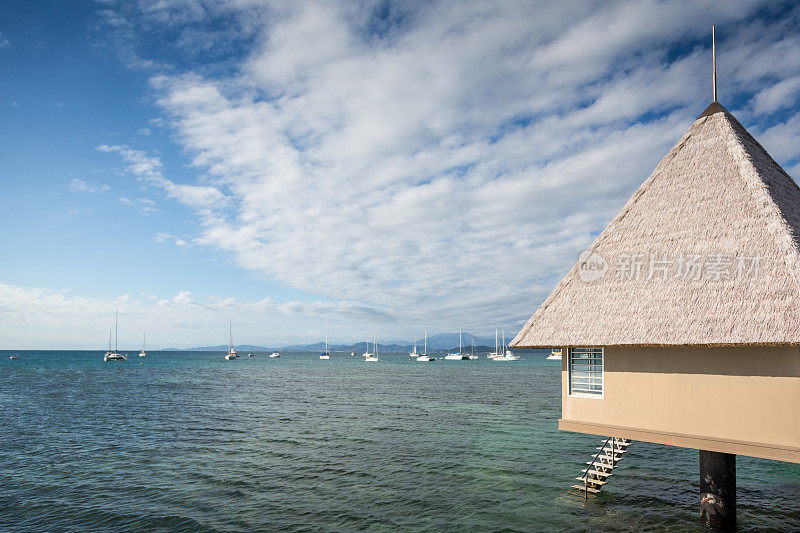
(714, 57)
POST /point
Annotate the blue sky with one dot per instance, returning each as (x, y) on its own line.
(388, 164)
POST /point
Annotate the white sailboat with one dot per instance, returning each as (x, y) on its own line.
(353, 351)
(506, 354)
(367, 353)
(115, 355)
(232, 353)
(457, 356)
(424, 357)
(472, 354)
(414, 353)
(143, 353)
(325, 354)
(373, 356)
(496, 352)
(555, 355)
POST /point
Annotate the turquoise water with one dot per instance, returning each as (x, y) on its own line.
(189, 441)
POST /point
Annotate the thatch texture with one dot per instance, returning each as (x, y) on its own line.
(718, 200)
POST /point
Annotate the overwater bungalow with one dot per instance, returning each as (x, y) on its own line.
(680, 324)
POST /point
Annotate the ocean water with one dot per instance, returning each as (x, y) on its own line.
(187, 441)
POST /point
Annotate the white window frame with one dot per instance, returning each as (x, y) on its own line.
(583, 393)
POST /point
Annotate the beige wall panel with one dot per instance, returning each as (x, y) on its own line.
(748, 395)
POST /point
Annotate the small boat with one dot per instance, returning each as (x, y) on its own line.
(115, 355)
(274, 354)
(143, 353)
(555, 355)
(14, 356)
(413, 353)
(325, 354)
(507, 355)
(424, 357)
(353, 351)
(249, 355)
(496, 352)
(457, 356)
(372, 356)
(232, 353)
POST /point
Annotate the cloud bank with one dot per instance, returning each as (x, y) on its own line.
(442, 160)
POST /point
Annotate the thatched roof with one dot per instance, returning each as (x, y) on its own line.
(715, 207)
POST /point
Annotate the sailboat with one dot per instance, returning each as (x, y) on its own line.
(472, 355)
(367, 353)
(506, 354)
(414, 353)
(496, 352)
(458, 356)
(373, 356)
(353, 351)
(115, 355)
(424, 357)
(325, 354)
(555, 355)
(232, 353)
(143, 353)
(274, 354)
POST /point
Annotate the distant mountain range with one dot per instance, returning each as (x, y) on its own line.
(442, 341)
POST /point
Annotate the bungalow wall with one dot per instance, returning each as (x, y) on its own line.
(744, 401)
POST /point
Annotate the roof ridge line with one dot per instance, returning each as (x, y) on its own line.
(776, 223)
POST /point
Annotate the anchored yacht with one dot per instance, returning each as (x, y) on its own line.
(232, 353)
(115, 355)
(457, 356)
(424, 357)
(325, 354)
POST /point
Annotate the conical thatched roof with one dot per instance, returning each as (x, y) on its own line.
(706, 252)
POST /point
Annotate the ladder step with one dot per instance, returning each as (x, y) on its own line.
(600, 463)
(597, 473)
(593, 481)
(587, 489)
(608, 448)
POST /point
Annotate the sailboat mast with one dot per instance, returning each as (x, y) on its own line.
(495, 340)
(326, 333)
(459, 338)
(116, 329)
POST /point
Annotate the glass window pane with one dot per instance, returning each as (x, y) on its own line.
(586, 371)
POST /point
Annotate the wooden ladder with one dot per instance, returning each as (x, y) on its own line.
(602, 465)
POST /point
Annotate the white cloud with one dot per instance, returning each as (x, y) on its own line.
(149, 170)
(80, 186)
(168, 237)
(453, 164)
(146, 206)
